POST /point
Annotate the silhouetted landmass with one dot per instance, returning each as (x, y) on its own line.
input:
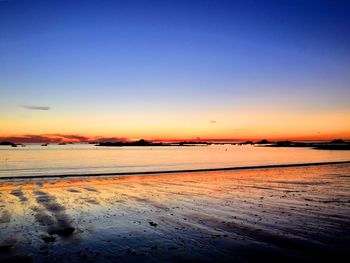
(333, 147)
(8, 144)
(337, 144)
(11, 144)
(184, 143)
(338, 141)
(147, 143)
(285, 143)
(263, 142)
(251, 142)
(136, 143)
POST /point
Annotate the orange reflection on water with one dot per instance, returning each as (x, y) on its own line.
(89, 159)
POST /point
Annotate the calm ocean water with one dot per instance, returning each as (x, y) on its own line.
(89, 159)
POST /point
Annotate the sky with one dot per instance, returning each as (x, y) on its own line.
(166, 70)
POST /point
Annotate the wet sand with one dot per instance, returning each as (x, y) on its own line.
(290, 214)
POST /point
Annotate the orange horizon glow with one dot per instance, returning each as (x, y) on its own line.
(219, 125)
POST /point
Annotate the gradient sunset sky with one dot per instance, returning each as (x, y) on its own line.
(175, 69)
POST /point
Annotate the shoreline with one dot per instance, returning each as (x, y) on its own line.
(254, 167)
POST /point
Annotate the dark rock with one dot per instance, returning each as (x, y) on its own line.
(5, 248)
(48, 238)
(153, 224)
(65, 232)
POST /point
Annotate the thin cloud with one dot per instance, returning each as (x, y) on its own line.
(32, 107)
(212, 122)
(239, 131)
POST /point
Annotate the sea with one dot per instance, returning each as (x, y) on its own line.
(35, 160)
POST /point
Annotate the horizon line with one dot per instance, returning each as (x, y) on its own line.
(77, 138)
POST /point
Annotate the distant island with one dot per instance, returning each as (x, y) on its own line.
(143, 142)
(9, 144)
(337, 144)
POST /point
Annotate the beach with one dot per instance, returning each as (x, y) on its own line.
(286, 213)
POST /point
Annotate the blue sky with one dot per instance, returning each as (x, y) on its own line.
(176, 57)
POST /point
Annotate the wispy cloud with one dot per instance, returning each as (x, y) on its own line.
(212, 122)
(32, 107)
(238, 131)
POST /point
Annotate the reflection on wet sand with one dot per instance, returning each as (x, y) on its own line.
(288, 214)
(58, 221)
